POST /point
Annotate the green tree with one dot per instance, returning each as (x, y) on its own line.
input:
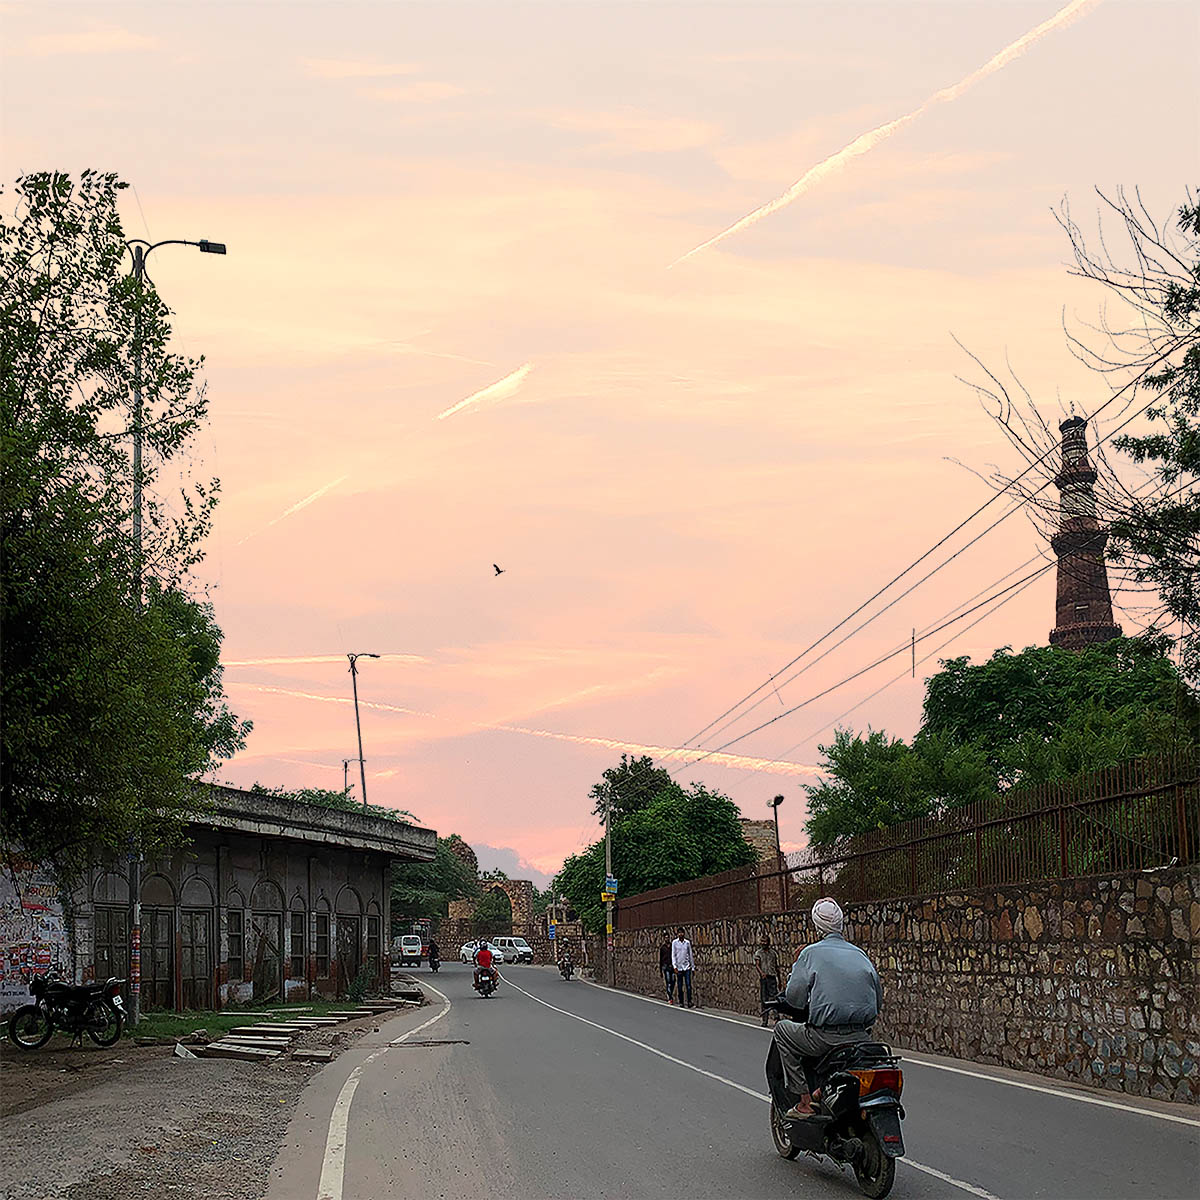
(877, 781)
(679, 835)
(112, 705)
(630, 787)
(1029, 697)
(426, 889)
(1016, 720)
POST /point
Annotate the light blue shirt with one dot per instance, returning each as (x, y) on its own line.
(837, 982)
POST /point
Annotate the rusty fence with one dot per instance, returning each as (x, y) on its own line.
(1136, 816)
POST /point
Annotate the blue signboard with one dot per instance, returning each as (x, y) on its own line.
(610, 884)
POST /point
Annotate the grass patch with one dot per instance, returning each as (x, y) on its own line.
(159, 1024)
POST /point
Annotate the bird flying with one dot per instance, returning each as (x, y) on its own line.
(498, 570)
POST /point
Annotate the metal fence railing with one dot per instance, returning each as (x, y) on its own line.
(1135, 816)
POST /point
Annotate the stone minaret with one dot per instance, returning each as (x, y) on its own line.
(1084, 610)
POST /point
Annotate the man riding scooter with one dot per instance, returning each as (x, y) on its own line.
(837, 985)
(483, 962)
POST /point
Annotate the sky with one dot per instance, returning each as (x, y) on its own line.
(460, 324)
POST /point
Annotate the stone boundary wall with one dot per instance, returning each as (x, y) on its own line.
(453, 933)
(1093, 980)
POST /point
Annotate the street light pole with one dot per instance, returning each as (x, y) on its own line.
(783, 879)
(362, 766)
(140, 250)
(610, 964)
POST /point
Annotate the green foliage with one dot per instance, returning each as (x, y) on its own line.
(877, 781)
(668, 837)
(630, 787)
(426, 889)
(112, 708)
(493, 907)
(326, 798)
(1016, 720)
(360, 985)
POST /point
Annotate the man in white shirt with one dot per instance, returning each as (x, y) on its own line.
(681, 959)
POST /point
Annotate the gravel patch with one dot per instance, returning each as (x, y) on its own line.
(137, 1121)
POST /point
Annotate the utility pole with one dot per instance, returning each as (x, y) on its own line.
(140, 250)
(611, 967)
(362, 766)
(775, 803)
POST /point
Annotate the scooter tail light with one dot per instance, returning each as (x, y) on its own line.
(880, 1079)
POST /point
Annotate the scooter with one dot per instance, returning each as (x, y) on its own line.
(434, 963)
(486, 981)
(856, 1109)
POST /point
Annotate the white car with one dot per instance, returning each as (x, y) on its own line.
(468, 952)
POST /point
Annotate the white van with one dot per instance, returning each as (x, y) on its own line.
(516, 949)
(410, 950)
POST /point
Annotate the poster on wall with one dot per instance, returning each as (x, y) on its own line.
(33, 934)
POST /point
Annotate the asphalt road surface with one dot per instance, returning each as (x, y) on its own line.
(562, 1089)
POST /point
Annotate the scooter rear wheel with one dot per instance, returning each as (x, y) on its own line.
(779, 1135)
(873, 1169)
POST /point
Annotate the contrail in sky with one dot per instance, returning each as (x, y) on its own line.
(312, 499)
(771, 766)
(500, 390)
(868, 141)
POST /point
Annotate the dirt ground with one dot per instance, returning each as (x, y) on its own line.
(95, 1124)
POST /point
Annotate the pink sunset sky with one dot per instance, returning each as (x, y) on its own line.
(688, 472)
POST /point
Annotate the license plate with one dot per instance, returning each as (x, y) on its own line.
(118, 1004)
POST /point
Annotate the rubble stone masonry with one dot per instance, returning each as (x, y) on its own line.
(1092, 980)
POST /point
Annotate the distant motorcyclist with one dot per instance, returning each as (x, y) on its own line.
(483, 961)
(435, 954)
(836, 985)
(566, 964)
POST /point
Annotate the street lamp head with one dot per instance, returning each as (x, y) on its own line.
(370, 655)
(775, 803)
(207, 247)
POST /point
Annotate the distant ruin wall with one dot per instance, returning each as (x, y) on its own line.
(1094, 980)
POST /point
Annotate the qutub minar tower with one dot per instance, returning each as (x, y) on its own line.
(1083, 613)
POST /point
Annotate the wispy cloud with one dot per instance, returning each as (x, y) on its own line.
(377, 705)
(312, 498)
(88, 41)
(346, 68)
(868, 141)
(304, 659)
(771, 766)
(502, 389)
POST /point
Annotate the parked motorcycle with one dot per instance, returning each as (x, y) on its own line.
(96, 1009)
(566, 968)
(486, 981)
(856, 1116)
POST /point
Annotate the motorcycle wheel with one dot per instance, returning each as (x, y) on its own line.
(29, 1027)
(108, 1034)
(779, 1135)
(873, 1169)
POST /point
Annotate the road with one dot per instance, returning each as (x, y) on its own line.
(555, 1089)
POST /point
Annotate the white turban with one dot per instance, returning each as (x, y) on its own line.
(827, 916)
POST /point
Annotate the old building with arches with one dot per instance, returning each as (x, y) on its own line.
(267, 899)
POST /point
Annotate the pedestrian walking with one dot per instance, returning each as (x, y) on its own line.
(767, 963)
(684, 964)
(667, 967)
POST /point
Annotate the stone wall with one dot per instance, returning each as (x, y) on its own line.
(1092, 980)
(452, 933)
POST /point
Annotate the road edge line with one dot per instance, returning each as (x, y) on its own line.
(333, 1165)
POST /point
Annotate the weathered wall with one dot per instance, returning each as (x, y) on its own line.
(453, 933)
(1093, 980)
(33, 930)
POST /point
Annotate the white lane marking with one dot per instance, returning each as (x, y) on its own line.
(1061, 1093)
(333, 1168)
(958, 1183)
(1049, 1091)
